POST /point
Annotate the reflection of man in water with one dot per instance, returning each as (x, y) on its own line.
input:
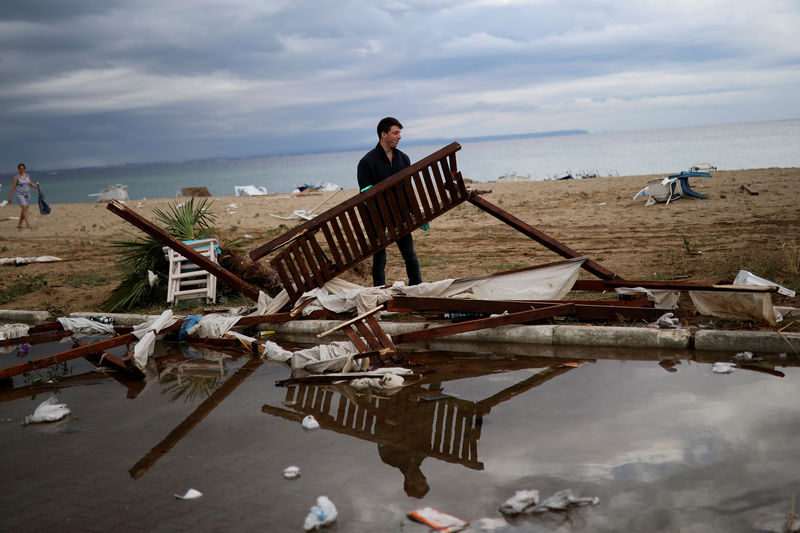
(409, 464)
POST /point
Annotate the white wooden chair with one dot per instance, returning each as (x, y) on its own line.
(188, 281)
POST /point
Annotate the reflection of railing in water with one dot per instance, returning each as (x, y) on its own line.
(415, 420)
(450, 427)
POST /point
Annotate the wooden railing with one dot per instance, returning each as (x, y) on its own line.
(335, 241)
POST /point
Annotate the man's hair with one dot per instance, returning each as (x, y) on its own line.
(386, 124)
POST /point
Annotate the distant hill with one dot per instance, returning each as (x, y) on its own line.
(557, 133)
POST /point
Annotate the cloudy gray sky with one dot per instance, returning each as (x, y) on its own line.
(93, 83)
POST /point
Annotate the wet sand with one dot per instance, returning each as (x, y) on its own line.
(665, 444)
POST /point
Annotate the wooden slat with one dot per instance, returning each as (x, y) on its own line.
(384, 340)
(322, 260)
(423, 198)
(354, 337)
(430, 190)
(340, 238)
(368, 335)
(333, 246)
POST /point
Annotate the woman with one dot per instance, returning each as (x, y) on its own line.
(22, 184)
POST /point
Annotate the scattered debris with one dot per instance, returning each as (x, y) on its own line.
(748, 189)
(322, 514)
(291, 472)
(438, 520)
(666, 321)
(191, 494)
(723, 368)
(309, 422)
(527, 501)
(48, 411)
(520, 501)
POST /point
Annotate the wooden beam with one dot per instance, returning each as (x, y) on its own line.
(100, 358)
(483, 323)
(197, 416)
(38, 338)
(584, 309)
(199, 259)
(75, 353)
(538, 236)
(600, 285)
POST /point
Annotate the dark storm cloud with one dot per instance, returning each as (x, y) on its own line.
(105, 82)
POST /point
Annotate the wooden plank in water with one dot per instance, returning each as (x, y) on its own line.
(483, 323)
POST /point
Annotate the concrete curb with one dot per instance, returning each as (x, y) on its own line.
(607, 336)
(751, 341)
(9, 316)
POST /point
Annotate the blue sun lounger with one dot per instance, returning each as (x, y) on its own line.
(683, 181)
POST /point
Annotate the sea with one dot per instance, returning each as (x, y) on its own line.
(658, 151)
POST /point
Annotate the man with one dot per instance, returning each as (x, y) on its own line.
(377, 165)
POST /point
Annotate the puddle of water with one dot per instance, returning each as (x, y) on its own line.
(664, 442)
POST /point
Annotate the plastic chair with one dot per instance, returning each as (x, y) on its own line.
(187, 280)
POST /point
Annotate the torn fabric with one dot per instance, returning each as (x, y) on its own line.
(86, 326)
(736, 305)
(549, 282)
(213, 326)
(13, 331)
(662, 299)
(164, 320)
(333, 357)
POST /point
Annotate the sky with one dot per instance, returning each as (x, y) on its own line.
(87, 83)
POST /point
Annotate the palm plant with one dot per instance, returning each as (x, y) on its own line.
(139, 255)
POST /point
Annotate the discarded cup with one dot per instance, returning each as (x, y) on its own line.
(291, 472)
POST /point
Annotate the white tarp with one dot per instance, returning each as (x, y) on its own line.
(662, 299)
(26, 260)
(744, 305)
(146, 333)
(736, 305)
(13, 331)
(213, 326)
(249, 190)
(745, 277)
(549, 282)
(334, 357)
(86, 326)
(267, 305)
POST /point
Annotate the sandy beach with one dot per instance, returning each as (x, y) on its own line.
(687, 239)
